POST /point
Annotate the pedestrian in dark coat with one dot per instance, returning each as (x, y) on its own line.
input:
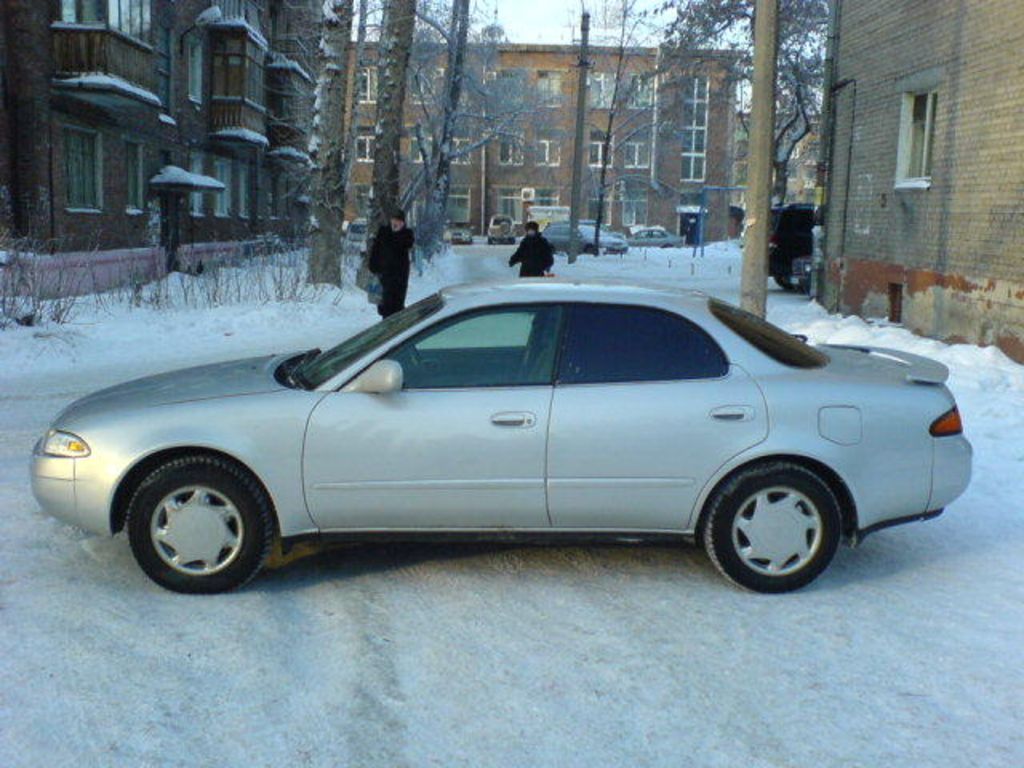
(535, 256)
(389, 260)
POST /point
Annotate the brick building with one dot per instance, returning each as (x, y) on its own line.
(103, 94)
(672, 134)
(925, 220)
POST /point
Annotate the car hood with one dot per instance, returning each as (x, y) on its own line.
(252, 375)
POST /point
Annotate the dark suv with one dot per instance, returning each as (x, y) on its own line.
(792, 238)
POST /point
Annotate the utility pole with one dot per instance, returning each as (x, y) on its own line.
(577, 150)
(753, 283)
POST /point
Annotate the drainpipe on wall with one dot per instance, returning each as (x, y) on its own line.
(825, 294)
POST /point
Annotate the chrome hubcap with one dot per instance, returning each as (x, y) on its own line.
(196, 530)
(777, 531)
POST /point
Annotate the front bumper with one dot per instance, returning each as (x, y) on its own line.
(61, 492)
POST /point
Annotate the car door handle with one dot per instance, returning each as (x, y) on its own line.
(733, 413)
(513, 419)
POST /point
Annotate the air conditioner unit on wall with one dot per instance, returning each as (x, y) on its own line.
(529, 194)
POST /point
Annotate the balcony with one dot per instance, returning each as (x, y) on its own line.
(237, 120)
(103, 66)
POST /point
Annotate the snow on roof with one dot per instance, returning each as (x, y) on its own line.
(165, 118)
(101, 82)
(173, 176)
(283, 62)
(289, 153)
(241, 134)
(255, 35)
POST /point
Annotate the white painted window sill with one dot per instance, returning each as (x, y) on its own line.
(925, 183)
(83, 210)
(134, 211)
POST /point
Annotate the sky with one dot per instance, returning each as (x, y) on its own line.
(550, 21)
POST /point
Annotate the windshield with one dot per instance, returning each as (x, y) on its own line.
(332, 362)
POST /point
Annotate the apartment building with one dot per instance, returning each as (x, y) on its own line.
(134, 127)
(925, 219)
(671, 134)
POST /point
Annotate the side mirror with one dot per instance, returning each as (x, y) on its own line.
(381, 378)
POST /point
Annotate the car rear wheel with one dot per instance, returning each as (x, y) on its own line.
(200, 524)
(773, 527)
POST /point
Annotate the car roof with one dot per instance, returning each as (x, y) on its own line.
(567, 289)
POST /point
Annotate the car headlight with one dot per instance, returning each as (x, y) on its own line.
(63, 444)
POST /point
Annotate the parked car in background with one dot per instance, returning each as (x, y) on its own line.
(654, 237)
(542, 408)
(792, 238)
(545, 215)
(458, 234)
(611, 242)
(501, 230)
(800, 274)
(355, 238)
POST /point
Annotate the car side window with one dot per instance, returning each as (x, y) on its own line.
(608, 343)
(504, 347)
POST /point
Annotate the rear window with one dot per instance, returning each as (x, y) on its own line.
(769, 339)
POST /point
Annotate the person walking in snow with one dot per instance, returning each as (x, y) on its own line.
(535, 256)
(389, 260)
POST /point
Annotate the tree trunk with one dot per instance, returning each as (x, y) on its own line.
(431, 227)
(326, 144)
(780, 182)
(393, 51)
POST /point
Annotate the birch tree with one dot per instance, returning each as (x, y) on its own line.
(394, 49)
(326, 144)
(431, 225)
(803, 25)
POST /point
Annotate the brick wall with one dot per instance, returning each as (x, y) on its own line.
(952, 251)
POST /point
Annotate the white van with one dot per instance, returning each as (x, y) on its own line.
(547, 214)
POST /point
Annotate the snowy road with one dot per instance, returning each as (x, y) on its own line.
(907, 652)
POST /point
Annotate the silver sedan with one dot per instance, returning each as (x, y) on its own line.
(535, 408)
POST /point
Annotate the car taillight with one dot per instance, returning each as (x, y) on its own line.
(947, 424)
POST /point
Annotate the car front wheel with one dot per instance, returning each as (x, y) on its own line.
(773, 527)
(200, 524)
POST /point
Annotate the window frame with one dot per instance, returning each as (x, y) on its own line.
(546, 148)
(244, 201)
(97, 171)
(364, 147)
(222, 202)
(905, 145)
(133, 150)
(370, 75)
(560, 307)
(569, 309)
(640, 148)
(194, 68)
(196, 203)
(516, 153)
(697, 94)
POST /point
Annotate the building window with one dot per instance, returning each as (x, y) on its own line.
(510, 202)
(634, 205)
(917, 134)
(641, 91)
(366, 85)
(460, 152)
(545, 197)
(362, 193)
(164, 70)
(597, 205)
(549, 88)
(418, 149)
(83, 169)
(238, 69)
(694, 128)
(637, 154)
(510, 153)
(222, 172)
(596, 149)
(549, 152)
(194, 55)
(195, 165)
(458, 205)
(133, 165)
(364, 148)
(132, 17)
(602, 85)
(244, 199)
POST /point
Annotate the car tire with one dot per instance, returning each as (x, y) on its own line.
(176, 549)
(589, 249)
(773, 527)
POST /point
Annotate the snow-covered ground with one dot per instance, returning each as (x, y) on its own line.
(909, 651)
